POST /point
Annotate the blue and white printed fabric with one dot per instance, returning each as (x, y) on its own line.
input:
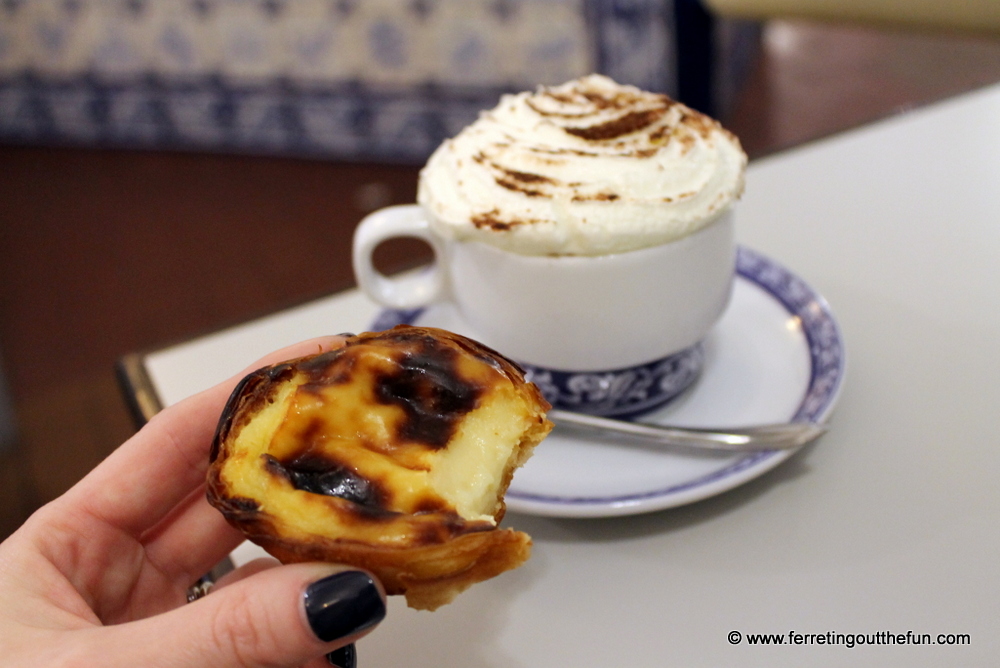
(350, 79)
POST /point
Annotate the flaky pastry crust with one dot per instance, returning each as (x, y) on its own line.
(391, 454)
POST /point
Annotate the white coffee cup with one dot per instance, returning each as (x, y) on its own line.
(590, 329)
(583, 230)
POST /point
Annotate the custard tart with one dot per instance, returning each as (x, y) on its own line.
(391, 454)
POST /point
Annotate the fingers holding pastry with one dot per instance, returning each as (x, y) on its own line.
(143, 481)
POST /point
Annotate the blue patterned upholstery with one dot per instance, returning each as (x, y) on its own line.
(350, 79)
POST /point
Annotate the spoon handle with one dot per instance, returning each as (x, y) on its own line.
(786, 436)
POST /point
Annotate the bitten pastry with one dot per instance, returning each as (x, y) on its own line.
(392, 454)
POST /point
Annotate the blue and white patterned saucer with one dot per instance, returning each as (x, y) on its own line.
(776, 355)
(619, 393)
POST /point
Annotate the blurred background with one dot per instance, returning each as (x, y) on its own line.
(172, 167)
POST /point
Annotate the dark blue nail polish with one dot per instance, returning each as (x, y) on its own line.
(345, 657)
(342, 604)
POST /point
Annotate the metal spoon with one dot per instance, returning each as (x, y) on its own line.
(785, 436)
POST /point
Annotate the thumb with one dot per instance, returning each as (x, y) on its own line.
(282, 616)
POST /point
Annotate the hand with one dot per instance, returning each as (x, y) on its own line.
(99, 577)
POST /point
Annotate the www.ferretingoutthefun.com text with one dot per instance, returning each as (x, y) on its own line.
(879, 638)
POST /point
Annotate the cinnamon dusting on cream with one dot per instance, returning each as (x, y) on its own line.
(640, 168)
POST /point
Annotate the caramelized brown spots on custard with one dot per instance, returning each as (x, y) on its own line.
(329, 368)
(426, 384)
(431, 503)
(487, 355)
(242, 504)
(324, 474)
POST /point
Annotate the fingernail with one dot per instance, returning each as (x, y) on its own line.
(342, 604)
(345, 657)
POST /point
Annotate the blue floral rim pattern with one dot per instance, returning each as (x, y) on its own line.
(827, 364)
(620, 393)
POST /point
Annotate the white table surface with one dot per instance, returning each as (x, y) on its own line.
(888, 523)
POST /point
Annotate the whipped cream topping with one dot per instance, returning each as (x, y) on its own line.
(589, 167)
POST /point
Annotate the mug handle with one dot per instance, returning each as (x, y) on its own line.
(413, 289)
